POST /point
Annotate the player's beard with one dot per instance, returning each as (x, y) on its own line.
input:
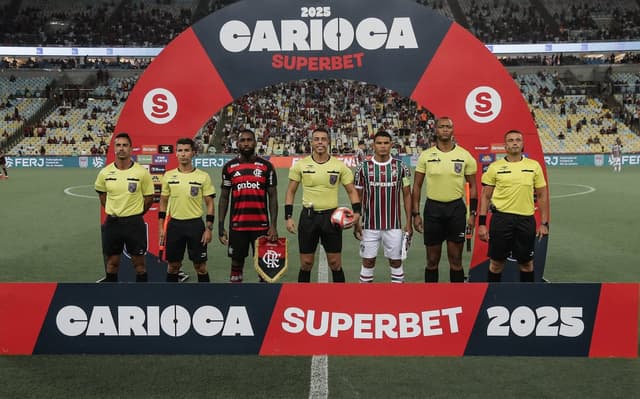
(247, 152)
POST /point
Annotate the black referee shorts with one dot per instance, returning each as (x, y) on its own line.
(187, 234)
(512, 235)
(316, 226)
(444, 221)
(240, 242)
(120, 231)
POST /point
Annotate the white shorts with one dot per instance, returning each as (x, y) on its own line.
(391, 242)
(616, 161)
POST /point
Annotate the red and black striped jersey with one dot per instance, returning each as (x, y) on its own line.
(248, 183)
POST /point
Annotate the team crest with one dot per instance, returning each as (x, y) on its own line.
(132, 187)
(457, 167)
(333, 179)
(270, 260)
(194, 190)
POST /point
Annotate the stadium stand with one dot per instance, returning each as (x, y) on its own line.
(44, 112)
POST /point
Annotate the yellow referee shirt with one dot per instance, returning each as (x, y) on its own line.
(444, 172)
(186, 192)
(320, 181)
(514, 183)
(125, 189)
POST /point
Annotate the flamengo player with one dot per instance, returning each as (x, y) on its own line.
(251, 183)
(379, 182)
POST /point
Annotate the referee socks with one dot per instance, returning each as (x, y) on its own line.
(172, 277)
(526, 277)
(338, 276)
(456, 276)
(304, 276)
(431, 276)
(494, 277)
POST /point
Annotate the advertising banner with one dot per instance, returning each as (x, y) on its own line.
(504, 319)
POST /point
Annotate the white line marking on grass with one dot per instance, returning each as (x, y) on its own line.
(68, 191)
(319, 384)
(588, 190)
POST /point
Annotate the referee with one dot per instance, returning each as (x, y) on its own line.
(320, 174)
(125, 190)
(509, 184)
(445, 167)
(183, 191)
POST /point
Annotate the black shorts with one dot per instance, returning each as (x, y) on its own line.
(512, 236)
(316, 226)
(129, 231)
(187, 234)
(240, 241)
(444, 221)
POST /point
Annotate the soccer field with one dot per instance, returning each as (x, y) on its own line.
(50, 233)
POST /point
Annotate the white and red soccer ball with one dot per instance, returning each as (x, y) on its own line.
(342, 218)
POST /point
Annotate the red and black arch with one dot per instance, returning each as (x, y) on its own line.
(430, 59)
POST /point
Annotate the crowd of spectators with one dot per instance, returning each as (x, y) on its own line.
(284, 116)
(157, 22)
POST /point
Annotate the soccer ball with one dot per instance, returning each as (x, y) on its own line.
(342, 218)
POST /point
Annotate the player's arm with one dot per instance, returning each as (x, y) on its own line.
(485, 200)
(473, 200)
(272, 192)
(103, 198)
(162, 215)
(288, 205)
(210, 205)
(415, 200)
(357, 228)
(354, 198)
(543, 205)
(148, 201)
(223, 204)
(408, 206)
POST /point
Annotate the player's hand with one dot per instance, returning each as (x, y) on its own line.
(417, 224)
(161, 235)
(357, 231)
(408, 229)
(542, 231)
(223, 238)
(471, 222)
(483, 233)
(272, 234)
(206, 237)
(291, 226)
(356, 218)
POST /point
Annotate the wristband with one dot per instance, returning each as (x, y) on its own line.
(415, 213)
(357, 207)
(288, 211)
(210, 218)
(545, 224)
(473, 205)
(162, 215)
(482, 220)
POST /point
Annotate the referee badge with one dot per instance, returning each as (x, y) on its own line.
(132, 187)
(194, 191)
(333, 179)
(457, 167)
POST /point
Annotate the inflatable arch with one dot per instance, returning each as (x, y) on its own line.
(399, 45)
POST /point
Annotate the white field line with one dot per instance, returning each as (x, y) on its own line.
(587, 190)
(319, 384)
(69, 191)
